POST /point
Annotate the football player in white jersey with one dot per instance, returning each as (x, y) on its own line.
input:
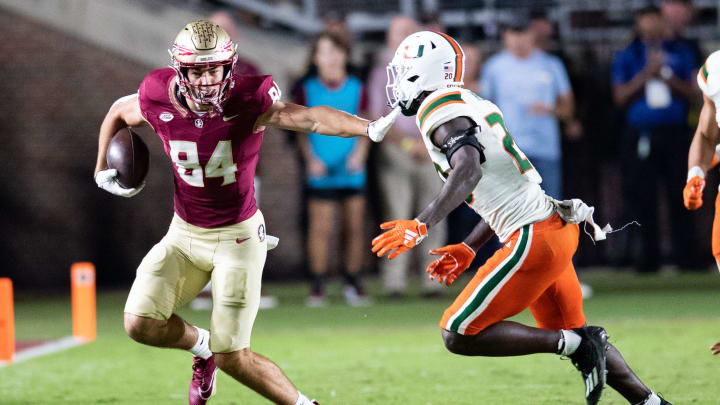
(704, 150)
(480, 164)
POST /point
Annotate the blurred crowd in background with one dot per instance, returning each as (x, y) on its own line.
(638, 129)
(605, 123)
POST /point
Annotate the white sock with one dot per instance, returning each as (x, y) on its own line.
(652, 399)
(568, 343)
(202, 346)
(302, 400)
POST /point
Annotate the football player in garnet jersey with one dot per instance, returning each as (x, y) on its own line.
(704, 150)
(211, 123)
(474, 154)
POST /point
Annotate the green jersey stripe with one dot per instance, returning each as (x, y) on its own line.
(494, 281)
(446, 99)
(704, 72)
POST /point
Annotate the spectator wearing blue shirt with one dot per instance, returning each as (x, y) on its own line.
(335, 169)
(652, 81)
(532, 89)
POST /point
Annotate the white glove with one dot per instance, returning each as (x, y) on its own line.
(107, 180)
(575, 211)
(377, 129)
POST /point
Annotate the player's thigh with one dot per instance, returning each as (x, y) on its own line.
(165, 280)
(504, 286)
(236, 282)
(560, 306)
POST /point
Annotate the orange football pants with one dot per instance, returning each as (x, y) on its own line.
(716, 231)
(533, 270)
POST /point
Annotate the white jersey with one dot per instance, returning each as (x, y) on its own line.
(508, 196)
(708, 79)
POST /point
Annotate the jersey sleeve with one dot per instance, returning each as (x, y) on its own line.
(153, 92)
(442, 107)
(267, 94)
(708, 77)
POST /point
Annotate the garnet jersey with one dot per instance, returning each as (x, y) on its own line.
(214, 156)
(508, 196)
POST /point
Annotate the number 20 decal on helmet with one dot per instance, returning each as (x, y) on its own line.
(202, 44)
(424, 61)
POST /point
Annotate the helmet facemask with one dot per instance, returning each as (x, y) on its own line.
(214, 94)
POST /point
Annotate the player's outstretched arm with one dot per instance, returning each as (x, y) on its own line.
(125, 112)
(325, 120)
(465, 159)
(700, 156)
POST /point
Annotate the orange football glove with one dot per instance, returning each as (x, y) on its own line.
(454, 259)
(403, 235)
(692, 194)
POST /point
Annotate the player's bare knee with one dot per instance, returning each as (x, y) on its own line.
(139, 328)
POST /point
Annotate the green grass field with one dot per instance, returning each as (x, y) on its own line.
(390, 353)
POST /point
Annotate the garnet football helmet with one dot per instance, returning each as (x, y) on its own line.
(424, 61)
(202, 44)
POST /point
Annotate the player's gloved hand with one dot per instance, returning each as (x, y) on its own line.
(107, 180)
(377, 129)
(454, 259)
(692, 194)
(403, 235)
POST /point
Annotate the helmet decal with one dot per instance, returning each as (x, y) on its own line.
(459, 56)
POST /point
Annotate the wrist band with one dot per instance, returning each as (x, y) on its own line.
(695, 171)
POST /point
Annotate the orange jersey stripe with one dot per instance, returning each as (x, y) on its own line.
(458, 56)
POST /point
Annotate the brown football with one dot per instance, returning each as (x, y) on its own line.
(129, 155)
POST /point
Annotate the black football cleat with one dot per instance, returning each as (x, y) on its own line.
(589, 359)
(663, 401)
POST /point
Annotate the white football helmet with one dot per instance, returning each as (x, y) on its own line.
(424, 61)
(204, 44)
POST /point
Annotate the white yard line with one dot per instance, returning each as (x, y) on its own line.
(42, 350)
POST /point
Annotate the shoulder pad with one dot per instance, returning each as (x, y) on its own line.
(440, 107)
